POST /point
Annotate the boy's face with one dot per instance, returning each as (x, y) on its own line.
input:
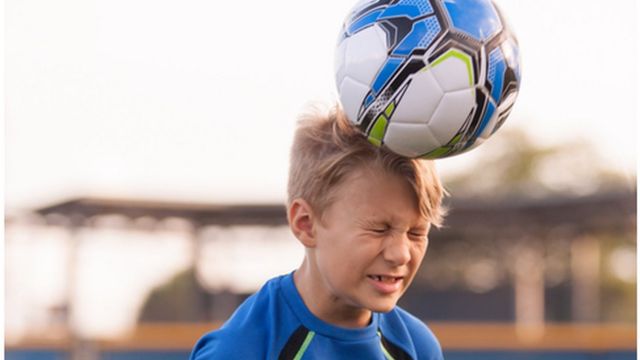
(370, 241)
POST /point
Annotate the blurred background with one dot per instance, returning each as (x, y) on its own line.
(146, 160)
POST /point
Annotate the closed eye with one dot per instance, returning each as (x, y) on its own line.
(418, 234)
(380, 229)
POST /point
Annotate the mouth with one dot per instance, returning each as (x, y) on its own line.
(385, 278)
(386, 284)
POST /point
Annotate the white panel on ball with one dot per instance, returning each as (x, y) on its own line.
(361, 4)
(507, 102)
(351, 94)
(339, 65)
(451, 114)
(452, 74)
(420, 100)
(366, 52)
(410, 140)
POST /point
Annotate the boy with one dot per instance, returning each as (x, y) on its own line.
(363, 215)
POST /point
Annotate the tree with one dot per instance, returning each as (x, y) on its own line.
(510, 164)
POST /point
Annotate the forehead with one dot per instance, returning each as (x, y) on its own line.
(375, 193)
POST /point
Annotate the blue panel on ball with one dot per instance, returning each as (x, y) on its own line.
(485, 119)
(408, 8)
(421, 36)
(433, 29)
(365, 21)
(478, 18)
(369, 100)
(408, 44)
(423, 5)
(398, 10)
(386, 73)
(495, 75)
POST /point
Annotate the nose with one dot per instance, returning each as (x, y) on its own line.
(396, 250)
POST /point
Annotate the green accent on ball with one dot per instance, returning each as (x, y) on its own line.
(460, 55)
(389, 110)
(455, 140)
(377, 131)
(436, 153)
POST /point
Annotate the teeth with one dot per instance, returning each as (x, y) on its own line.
(386, 279)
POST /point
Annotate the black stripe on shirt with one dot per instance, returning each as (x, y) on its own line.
(394, 350)
(293, 344)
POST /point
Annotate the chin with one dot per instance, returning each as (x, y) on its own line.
(382, 306)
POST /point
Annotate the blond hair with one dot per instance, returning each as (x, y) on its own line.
(327, 147)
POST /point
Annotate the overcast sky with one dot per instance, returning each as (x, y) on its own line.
(191, 100)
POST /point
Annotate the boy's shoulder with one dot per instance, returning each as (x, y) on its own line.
(265, 323)
(247, 333)
(408, 332)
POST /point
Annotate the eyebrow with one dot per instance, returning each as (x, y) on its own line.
(373, 221)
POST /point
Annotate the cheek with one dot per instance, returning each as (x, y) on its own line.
(417, 254)
(334, 255)
(346, 266)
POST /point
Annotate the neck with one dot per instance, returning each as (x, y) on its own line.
(325, 305)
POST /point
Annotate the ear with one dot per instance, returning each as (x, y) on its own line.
(301, 221)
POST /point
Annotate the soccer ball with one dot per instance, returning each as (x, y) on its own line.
(427, 78)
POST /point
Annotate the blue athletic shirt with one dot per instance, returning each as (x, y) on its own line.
(274, 323)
